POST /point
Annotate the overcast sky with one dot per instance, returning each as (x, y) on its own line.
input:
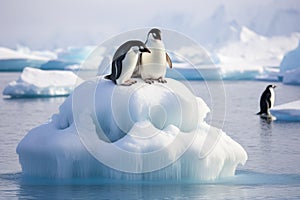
(55, 23)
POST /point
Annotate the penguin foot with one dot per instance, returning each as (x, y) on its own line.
(148, 80)
(162, 80)
(129, 82)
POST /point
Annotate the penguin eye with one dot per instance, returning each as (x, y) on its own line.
(141, 47)
(154, 34)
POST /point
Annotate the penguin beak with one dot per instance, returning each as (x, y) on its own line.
(274, 86)
(145, 50)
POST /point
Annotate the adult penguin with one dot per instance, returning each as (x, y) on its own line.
(124, 62)
(153, 66)
(267, 100)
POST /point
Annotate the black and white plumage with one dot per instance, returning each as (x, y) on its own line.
(125, 60)
(153, 66)
(267, 100)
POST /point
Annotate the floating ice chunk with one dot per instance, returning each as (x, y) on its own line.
(287, 112)
(35, 83)
(149, 132)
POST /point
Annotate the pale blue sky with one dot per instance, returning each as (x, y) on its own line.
(51, 24)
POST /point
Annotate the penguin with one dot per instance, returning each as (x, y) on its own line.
(267, 100)
(125, 60)
(153, 66)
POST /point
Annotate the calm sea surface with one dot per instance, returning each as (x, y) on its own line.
(272, 170)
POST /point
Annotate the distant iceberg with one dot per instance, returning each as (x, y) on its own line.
(254, 56)
(60, 65)
(248, 57)
(292, 77)
(291, 60)
(290, 67)
(69, 59)
(38, 83)
(141, 132)
(287, 112)
(59, 59)
(11, 60)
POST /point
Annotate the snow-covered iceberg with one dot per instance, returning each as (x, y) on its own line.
(141, 132)
(254, 56)
(39, 83)
(249, 56)
(69, 59)
(291, 60)
(287, 112)
(290, 67)
(11, 60)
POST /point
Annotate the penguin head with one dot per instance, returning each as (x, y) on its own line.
(154, 34)
(144, 49)
(271, 86)
(138, 46)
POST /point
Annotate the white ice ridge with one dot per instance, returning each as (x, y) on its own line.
(287, 112)
(141, 132)
(35, 83)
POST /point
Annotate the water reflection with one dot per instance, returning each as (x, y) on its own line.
(266, 126)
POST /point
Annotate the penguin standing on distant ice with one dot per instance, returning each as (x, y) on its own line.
(267, 100)
(153, 66)
(125, 60)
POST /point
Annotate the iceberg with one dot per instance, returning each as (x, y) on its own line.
(11, 60)
(249, 56)
(290, 67)
(60, 65)
(69, 59)
(291, 77)
(291, 60)
(287, 112)
(75, 54)
(142, 132)
(39, 83)
(254, 56)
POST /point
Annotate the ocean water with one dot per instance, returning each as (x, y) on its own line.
(271, 172)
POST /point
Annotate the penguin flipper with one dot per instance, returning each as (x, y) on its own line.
(169, 61)
(269, 102)
(118, 66)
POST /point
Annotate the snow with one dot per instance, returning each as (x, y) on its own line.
(141, 132)
(287, 112)
(35, 83)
